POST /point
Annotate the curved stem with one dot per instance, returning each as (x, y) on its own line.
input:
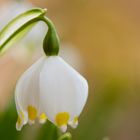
(18, 27)
(51, 40)
(25, 20)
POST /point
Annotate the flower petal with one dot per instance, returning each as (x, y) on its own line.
(27, 92)
(62, 89)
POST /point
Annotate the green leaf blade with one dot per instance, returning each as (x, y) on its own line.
(17, 25)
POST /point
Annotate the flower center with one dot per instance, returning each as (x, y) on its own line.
(62, 118)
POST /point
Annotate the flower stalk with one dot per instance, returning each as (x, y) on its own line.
(51, 40)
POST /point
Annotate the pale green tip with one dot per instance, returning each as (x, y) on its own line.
(66, 136)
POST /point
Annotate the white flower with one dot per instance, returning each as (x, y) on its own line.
(50, 89)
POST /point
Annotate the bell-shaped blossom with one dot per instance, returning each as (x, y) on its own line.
(50, 89)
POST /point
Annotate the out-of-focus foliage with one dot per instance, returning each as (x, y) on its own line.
(7, 124)
(36, 132)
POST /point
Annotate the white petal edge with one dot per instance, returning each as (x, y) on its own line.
(27, 90)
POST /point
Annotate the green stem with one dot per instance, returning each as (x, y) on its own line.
(22, 23)
(51, 40)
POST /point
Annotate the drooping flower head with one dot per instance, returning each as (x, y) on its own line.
(51, 89)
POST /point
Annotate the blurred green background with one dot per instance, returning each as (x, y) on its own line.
(98, 38)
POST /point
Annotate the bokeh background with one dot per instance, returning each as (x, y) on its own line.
(101, 39)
